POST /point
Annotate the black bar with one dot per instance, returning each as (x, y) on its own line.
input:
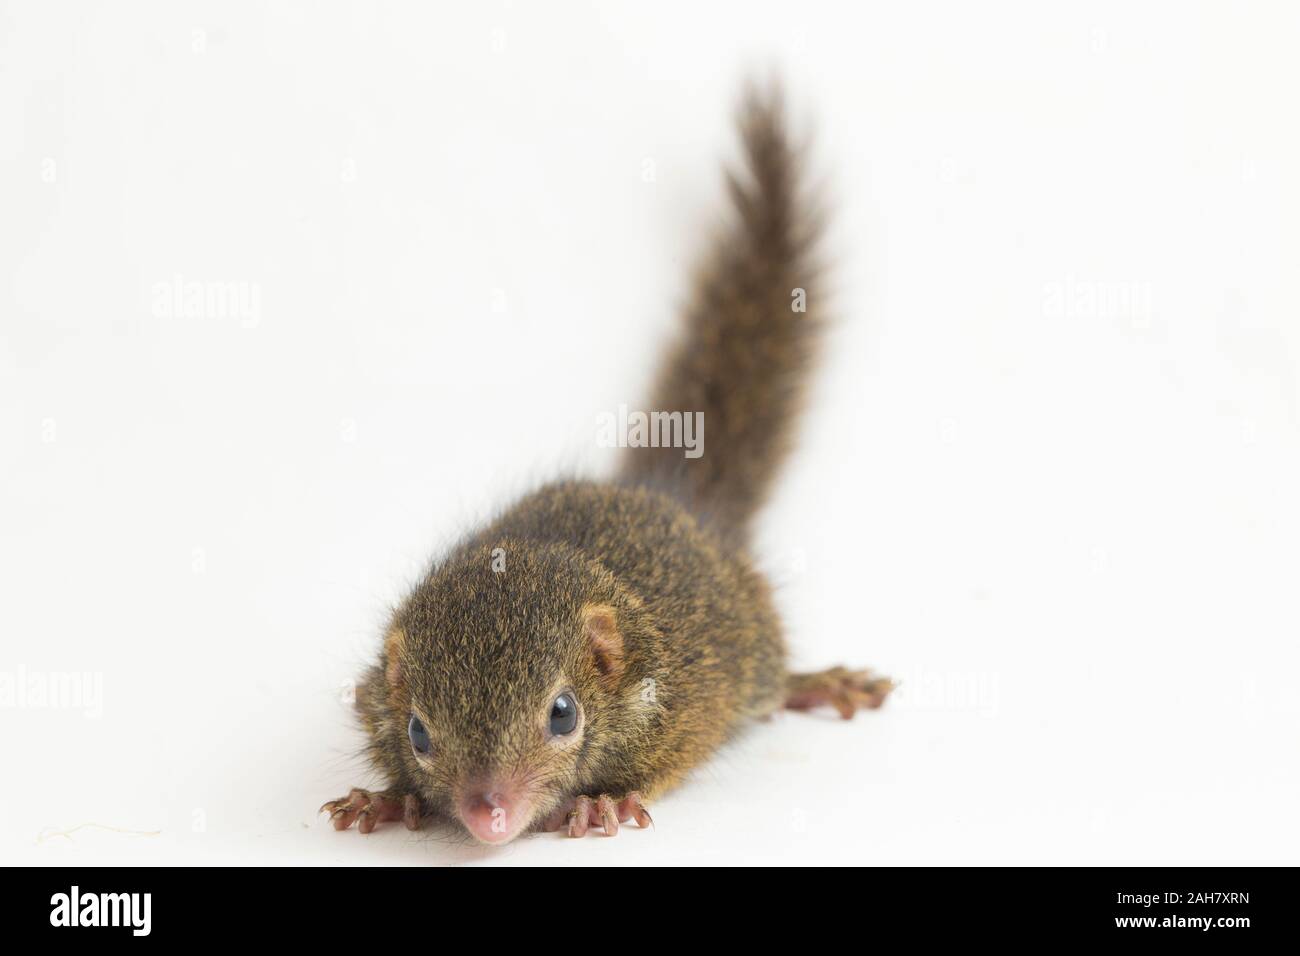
(1178, 906)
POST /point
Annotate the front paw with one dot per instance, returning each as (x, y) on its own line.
(368, 809)
(582, 813)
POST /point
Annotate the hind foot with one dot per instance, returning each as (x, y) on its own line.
(845, 690)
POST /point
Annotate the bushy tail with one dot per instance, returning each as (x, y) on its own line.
(748, 344)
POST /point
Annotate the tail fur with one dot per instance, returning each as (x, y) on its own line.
(750, 334)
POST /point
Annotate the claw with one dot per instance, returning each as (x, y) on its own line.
(633, 808)
(608, 814)
(411, 811)
(580, 817)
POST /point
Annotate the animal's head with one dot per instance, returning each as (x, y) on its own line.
(512, 675)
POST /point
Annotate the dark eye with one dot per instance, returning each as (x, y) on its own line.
(419, 736)
(564, 715)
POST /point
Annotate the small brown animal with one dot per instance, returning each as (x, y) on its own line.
(578, 656)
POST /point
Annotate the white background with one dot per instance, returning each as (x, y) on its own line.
(1049, 479)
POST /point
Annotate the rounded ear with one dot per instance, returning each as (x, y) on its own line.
(394, 645)
(605, 640)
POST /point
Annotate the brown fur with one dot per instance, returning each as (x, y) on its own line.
(744, 354)
(636, 595)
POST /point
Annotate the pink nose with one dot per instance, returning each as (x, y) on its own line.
(491, 815)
